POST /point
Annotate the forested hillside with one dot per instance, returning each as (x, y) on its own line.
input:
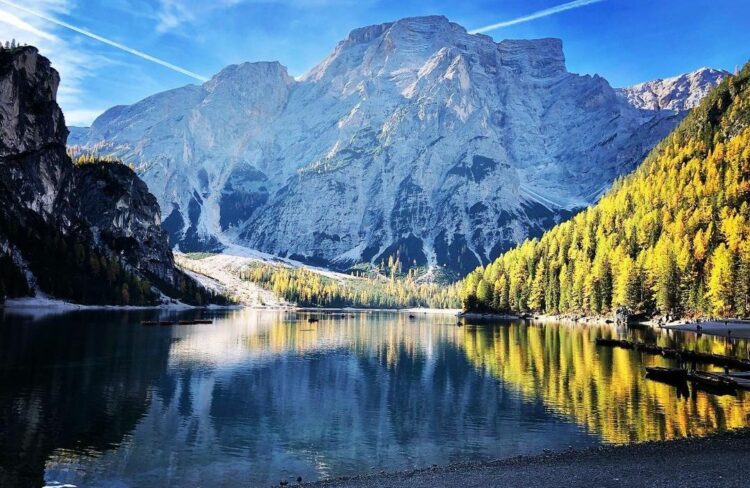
(369, 290)
(672, 238)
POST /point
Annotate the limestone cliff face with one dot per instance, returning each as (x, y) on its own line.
(66, 226)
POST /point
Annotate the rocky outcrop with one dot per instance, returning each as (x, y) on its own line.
(412, 137)
(87, 233)
(124, 216)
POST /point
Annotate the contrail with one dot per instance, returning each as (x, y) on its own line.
(104, 40)
(536, 15)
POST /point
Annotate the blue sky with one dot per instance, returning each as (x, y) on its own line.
(626, 41)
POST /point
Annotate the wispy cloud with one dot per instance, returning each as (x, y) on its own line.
(536, 15)
(104, 40)
(12, 20)
(75, 64)
(171, 15)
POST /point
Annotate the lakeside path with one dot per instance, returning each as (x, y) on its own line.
(716, 461)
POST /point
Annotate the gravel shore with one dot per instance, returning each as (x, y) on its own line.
(715, 461)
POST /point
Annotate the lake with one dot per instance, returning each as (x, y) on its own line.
(96, 399)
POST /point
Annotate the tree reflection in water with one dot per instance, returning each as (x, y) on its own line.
(96, 399)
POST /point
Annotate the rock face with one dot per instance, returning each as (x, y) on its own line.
(32, 136)
(677, 93)
(412, 138)
(124, 216)
(97, 214)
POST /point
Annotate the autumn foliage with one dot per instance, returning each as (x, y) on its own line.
(671, 238)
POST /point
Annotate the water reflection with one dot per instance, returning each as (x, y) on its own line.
(95, 399)
(603, 389)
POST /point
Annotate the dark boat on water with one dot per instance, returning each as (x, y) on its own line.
(712, 383)
(615, 343)
(674, 375)
(702, 380)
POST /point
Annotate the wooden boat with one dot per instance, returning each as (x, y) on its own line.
(614, 343)
(667, 374)
(712, 380)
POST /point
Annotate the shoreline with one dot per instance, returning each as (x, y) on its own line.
(54, 304)
(684, 462)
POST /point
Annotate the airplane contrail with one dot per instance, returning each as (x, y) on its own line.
(536, 15)
(104, 40)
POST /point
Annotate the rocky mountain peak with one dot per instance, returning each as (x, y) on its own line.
(393, 48)
(425, 27)
(679, 93)
(249, 73)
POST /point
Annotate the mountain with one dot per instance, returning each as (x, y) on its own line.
(677, 93)
(412, 138)
(88, 232)
(672, 238)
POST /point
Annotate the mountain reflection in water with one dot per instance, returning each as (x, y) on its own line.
(96, 399)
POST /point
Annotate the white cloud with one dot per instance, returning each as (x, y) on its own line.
(172, 14)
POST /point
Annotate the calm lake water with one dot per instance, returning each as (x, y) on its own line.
(95, 399)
